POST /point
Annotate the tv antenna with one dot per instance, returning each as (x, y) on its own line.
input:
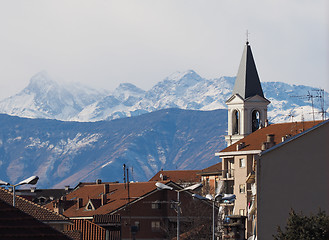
(291, 115)
(309, 96)
(320, 96)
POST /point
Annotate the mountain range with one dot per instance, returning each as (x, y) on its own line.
(44, 98)
(66, 153)
(66, 134)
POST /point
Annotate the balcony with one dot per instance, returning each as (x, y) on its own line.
(251, 177)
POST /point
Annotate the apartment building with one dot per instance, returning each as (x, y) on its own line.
(250, 134)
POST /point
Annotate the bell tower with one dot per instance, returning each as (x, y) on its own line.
(247, 107)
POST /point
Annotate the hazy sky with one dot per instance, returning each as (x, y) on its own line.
(102, 43)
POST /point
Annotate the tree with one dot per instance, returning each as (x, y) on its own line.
(305, 227)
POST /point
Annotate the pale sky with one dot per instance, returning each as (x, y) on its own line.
(102, 43)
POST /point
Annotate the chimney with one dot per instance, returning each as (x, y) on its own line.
(269, 142)
(67, 187)
(79, 203)
(266, 123)
(270, 138)
(240, 146)
(106, 188)
(103, 199)
(99, 181)
(32, 189)
(58, 207)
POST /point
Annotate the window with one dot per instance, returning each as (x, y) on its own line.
(235, 122)
(173, 205)
(242, 162)
(156, 205)
(155, 225)
(242, 188)
(255, 120)
(241, 212)
(136, 225)
(89, 207)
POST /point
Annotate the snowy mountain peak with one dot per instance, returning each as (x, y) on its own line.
(123, 87)
(186, 75)
(41, 82)
(44, 98)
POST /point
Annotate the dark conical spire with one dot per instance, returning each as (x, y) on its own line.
(247, 83)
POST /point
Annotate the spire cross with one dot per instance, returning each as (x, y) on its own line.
(247, 35)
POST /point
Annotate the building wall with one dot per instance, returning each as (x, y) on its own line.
(294, 175)
(161, 222)
(240, 174)
(210, 184)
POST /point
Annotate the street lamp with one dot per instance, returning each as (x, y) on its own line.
(213, 199)
(162, 186)
(31, 180)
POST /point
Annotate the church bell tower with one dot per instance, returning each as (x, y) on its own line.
(247, 107)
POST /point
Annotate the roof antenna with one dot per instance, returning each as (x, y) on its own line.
(124, 174)
(247, 35)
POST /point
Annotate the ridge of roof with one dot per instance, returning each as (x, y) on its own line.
(177, 175)
(212, 169)
(255, 140)
(21, 225)
(296, 136)
(4, 194)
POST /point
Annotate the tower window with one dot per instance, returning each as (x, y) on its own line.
(235, 122)
(255, 120)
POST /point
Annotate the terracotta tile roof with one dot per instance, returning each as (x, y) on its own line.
(116, 197)
(214, 169)
(178, 176)
(107, 218)
(89, 230)
(16, 224)
(39, 212)
(255, 140)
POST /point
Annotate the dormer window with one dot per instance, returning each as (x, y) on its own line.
(90, 206)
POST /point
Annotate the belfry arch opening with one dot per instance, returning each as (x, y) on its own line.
(255, 119)
(235, 122)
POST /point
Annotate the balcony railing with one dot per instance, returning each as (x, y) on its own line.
(228, 173)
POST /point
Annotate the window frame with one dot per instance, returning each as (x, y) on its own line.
(242, 188)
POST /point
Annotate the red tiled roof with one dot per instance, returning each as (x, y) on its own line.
(16, 224)
(255, 140)
(217, 168)
(116, 197)
(88, 230)
(178, 176)
(39, 212)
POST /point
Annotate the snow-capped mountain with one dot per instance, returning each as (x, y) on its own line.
(65, 153)
(44, 98)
